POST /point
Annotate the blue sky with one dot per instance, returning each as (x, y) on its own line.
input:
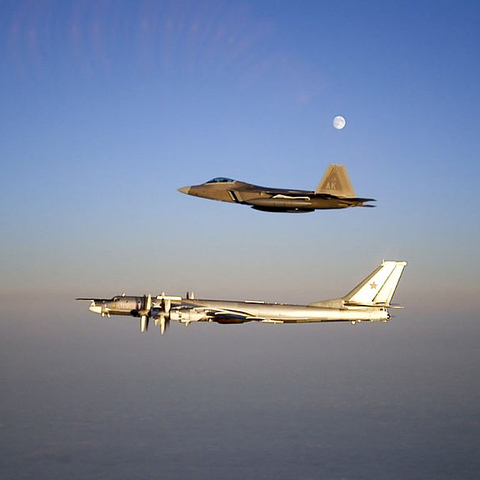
(108, 107)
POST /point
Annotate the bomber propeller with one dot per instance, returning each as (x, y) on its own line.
(163, 317)
(145, 312)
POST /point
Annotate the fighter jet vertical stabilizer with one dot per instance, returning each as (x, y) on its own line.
(336, 181)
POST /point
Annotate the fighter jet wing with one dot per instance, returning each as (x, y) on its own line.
(288, 193)
(291, 197)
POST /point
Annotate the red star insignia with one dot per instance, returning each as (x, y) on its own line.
(373, 285)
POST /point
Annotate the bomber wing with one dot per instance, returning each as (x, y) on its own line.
(192, 312)
(90, 299)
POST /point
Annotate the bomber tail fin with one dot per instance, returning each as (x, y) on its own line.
(379, 287)
(335, 181)
(376, 290)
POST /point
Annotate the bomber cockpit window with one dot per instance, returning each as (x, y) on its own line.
(221, 180)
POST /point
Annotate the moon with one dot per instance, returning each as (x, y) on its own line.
(339, 122)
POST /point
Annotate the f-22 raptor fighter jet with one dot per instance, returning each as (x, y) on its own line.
(368, 301)
(334, 191)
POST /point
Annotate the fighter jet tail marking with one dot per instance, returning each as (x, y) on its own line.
(336, 181)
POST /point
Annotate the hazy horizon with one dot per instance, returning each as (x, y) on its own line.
(108, 108)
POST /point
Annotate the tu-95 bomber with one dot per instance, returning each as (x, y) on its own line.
(368, 301)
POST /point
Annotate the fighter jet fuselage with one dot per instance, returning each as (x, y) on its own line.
(333, 192)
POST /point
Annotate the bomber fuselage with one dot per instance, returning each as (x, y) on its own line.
(119, 305)
(288, 313)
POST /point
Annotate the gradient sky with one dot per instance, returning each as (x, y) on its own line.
(108, 107)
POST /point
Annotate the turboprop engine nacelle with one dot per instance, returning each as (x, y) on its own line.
(186, 315)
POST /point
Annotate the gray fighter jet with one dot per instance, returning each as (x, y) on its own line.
(334, 191)
(368, 301)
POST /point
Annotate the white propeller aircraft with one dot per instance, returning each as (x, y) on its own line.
(368, 301)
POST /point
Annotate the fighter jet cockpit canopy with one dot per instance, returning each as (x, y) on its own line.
(221, 180)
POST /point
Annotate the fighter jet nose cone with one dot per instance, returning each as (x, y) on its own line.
(184, 190)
